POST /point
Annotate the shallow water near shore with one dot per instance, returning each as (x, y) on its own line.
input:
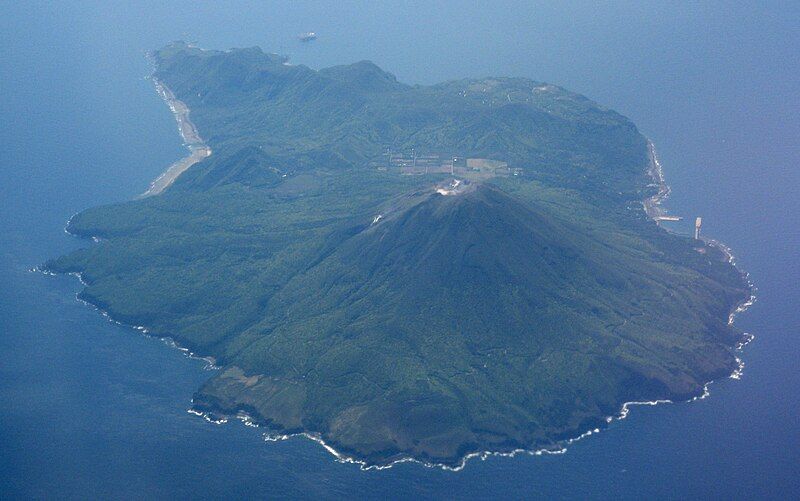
(91, 408)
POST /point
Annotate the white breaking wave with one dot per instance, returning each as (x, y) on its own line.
(559, 448)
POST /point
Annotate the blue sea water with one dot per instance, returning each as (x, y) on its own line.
(91, 409)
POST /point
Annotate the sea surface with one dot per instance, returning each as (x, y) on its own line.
(91, 409)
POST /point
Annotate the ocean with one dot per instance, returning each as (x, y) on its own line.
(93, 409)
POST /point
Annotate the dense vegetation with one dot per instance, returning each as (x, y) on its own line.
(514, 314)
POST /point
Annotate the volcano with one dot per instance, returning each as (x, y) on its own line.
(458, 322)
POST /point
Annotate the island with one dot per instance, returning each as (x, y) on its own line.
(410, 272)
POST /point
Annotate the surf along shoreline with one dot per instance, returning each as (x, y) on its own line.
(653, 208)
(199, 150)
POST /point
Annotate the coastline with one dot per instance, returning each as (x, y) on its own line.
(560, 447)
(198, 150)
(651, 205)
(168, 340)
(172, 342)
(653, 208)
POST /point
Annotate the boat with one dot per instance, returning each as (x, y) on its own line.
(307, 36)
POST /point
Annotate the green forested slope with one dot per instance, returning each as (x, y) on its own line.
(515, 313)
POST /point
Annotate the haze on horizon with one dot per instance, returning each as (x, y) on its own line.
(93, 409)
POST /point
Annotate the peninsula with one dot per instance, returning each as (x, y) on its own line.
(423, 272)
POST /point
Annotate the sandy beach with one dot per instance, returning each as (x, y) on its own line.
(198, 150)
